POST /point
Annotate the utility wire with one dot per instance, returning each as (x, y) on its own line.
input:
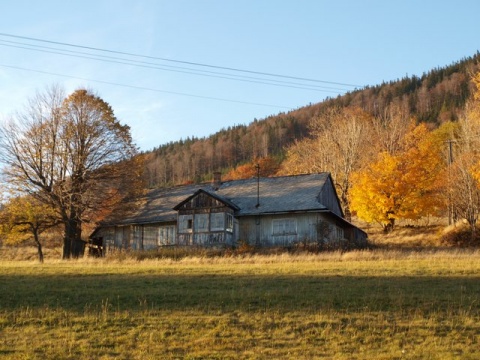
(180, 61)
(177, 69)
(148, 89)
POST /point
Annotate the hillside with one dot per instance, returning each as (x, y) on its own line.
(437, 96)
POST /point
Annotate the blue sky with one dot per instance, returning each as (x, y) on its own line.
(336, 43)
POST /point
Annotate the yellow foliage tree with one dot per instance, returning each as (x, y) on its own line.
(23, 219)
(400, 186)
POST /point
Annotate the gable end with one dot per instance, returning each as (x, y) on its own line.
(202, 199)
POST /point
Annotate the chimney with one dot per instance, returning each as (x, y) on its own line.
(258, 185)
(217, 180)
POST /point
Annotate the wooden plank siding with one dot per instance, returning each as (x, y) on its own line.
(264, 230)
(204, 220)
(206, 239)
(328, 197)
(138, 237)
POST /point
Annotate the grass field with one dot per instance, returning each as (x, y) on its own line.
(358, 305)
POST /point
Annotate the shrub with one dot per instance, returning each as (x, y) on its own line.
(461, 236)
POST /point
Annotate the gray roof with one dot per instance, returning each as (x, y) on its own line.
(157, 205)
(277, 194)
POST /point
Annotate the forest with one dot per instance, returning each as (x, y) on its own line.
(438, 96)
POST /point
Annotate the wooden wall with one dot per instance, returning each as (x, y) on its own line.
(328, 197)
(265, 230)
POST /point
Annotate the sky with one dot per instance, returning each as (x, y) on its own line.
(173, 69)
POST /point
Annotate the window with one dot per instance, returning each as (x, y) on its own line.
(185, 223)
(229, 226)
(109, 238)
(137, 240)
(339, 233)
(284, 227)
(150, 237)
(217, 221)
(201, 222)
(166, 235)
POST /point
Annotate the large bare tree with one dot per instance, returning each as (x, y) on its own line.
(340, 144)
(67, 152)
(463, 176)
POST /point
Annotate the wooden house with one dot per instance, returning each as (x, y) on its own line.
(274, 211)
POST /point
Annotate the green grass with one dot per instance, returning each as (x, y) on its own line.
(359, 305)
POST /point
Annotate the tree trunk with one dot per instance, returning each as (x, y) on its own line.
(388, 227)
(39, 246)
(73, 246)
(346, 201)
(348, 213)
(67, 249)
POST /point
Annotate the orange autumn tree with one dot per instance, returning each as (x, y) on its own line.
(403, 185)
(268, 167)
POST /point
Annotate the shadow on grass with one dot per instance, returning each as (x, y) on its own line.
(212, 293)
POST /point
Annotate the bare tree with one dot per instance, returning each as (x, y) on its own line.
(465, 190)
(390, 128)
(464, 172)
(62, 150)
(343, 146)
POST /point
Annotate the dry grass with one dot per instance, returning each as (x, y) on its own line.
(365, 304)
(420, 236)
(407, 237)
(407, 297)
(382, 251)
(28, 253)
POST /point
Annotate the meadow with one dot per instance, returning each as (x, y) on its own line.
(373, 304)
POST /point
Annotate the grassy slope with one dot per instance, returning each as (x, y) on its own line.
(415, 237)
(376, 305)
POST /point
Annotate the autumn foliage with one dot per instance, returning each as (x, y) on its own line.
(400, 186)
(391, 167)
(25, 218)
(265, 167)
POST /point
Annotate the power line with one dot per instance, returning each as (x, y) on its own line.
(184, 70)
(149, 89)
(180, 61)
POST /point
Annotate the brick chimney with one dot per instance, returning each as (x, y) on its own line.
(217, 180)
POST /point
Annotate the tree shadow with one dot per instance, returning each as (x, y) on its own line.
(224, 293)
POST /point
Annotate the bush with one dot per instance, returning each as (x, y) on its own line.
(461, 236)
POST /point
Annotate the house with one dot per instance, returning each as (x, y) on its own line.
(274, 211)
